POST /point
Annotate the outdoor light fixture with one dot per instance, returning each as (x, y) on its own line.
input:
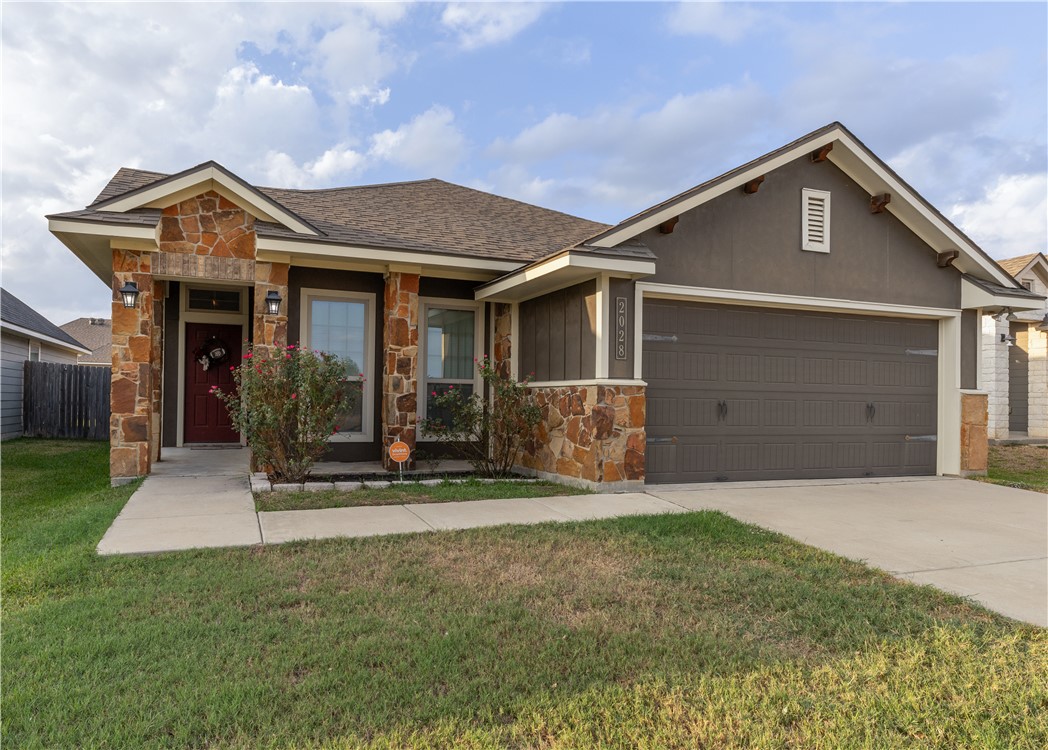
(129, 293)
(1043, 325)
(1011, 316)
(273, 301)
(1006, 339)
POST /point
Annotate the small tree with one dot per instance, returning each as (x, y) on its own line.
(488, 435)
(288, 402)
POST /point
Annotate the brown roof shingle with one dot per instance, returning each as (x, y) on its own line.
(1017, 264)
(426, 215)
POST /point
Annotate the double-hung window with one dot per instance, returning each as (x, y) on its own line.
(342, 323)
(450, 341)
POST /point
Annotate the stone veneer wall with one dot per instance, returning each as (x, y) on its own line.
(590, 435)
(1038, 414)
(399, 372)
(207, 225)
(132, 392)
(270, 330)
(502, 347)
(995, 375)
(974, 441)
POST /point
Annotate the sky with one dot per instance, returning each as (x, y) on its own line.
(596, 109)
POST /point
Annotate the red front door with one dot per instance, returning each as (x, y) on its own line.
(206, 418)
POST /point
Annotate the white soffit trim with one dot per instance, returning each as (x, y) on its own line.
(296, 248)
(973, 296)
(652, 290)
(857, 164)
(209, 178)
(101, 229)
(558, 272)
(42, 337)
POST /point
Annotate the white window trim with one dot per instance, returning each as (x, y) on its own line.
(808, 194)
(39, 350)
(424, 304)
(367, 433)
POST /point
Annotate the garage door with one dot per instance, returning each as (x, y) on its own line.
(745, 393)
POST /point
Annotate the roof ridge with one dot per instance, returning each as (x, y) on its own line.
(523, 203)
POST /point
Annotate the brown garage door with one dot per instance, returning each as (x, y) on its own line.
(743, 393)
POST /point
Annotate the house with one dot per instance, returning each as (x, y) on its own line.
(97, 335)
(804, 315)
(25, 334)
(1015, 359)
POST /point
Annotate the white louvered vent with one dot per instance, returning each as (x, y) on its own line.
(815, 220)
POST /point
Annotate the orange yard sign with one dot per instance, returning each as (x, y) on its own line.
(399, 451)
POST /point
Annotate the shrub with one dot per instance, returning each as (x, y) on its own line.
(488, 435)
(288, 402)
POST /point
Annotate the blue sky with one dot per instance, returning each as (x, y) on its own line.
(597, 109)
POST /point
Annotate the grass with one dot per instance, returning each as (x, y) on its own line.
(1023, 466)
(677, 631)
(410, 492)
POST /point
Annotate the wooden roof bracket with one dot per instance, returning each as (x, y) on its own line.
(667, 226)
(753, 185)
(879, 202)
(822, 154)
(946, 258)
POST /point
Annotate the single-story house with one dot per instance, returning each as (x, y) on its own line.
(25, 334)
(1015, 359)
(97, 335)
(804, 315)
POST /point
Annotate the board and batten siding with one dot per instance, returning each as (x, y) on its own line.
(558, 337)
(14, 350)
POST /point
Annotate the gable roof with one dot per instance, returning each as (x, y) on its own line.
(1018, 264)
(429, 216)
(850, 155)
(17, 316)
(94, 333)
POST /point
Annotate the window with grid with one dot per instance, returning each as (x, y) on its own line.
(450, 348)
(340, 327)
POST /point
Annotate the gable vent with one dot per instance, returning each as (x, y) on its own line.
(815, 220)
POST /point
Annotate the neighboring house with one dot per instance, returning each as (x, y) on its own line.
(1015, 358)
(97, 335)
(26, 334)
(805, 315)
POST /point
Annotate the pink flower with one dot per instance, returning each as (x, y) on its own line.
(290, 347)
(248, 355)
(287, 356)
(231, 368)
(294, 395)
(434, 393)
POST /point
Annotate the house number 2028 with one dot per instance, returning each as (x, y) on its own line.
(620, 328)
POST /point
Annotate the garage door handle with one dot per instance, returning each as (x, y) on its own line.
(722, 410)
(659, 440)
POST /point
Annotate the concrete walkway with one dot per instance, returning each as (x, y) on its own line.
(193, 498)
(974, 539)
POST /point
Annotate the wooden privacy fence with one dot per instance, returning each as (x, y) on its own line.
(65, 401)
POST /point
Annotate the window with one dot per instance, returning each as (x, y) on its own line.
(34, 351)
(342, 323)
(214, 300)
(815, 220)
(450, 345)
(1028, 285)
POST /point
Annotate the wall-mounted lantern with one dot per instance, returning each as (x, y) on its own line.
(129, 294)
(1006, 339)
(273, 301)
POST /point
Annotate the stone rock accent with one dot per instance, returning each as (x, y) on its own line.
(207, 225)
(400, 366)
(593, 433)
(974, 441)
(1038, 364)
(270, 330)
(134, 399)
(502, 350)
(995, 375)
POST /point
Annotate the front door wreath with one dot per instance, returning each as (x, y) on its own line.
(212, 352)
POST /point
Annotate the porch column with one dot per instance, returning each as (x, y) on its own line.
(502, 348)
(995, 375)
(131, 393)
(270, 330)
(400, 363)
(1038, 399)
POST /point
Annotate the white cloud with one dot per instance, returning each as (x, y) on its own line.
(728, 22)
(338, 164)
(1010, 219)
(429, 143)
(483, 24)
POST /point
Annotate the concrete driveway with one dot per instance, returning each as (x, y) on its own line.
(979, 540)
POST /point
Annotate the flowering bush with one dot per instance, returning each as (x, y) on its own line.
(288, 403)
(488, 435)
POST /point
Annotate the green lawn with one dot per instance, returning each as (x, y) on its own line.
(410, 492)
(679, 631)
(1024, 466)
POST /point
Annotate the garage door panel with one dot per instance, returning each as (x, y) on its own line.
(749, 393)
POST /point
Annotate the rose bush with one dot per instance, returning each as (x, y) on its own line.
(287, 403)
(489, 435)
